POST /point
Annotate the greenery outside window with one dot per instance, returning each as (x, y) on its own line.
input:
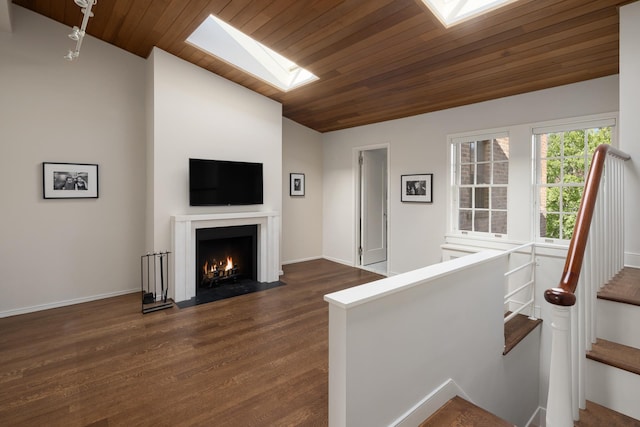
(564, 157)
(480, 180)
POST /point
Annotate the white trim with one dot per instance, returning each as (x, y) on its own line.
(34, 308)
(454, 140)
(356, 192)
(339, 261)
(294, 261)
(183, 234)
(430, 404)
(632, 259)
(538, 419)
(363, 294)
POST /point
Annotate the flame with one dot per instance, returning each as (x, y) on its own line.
(215, 266)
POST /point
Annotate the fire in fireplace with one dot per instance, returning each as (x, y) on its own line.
(225, 255)
(215, 273)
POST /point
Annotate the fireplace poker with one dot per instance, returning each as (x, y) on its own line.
(164, 292)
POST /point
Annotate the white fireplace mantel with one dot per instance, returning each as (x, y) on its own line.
(183, 237)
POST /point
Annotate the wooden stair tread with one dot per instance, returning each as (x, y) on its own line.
(461, 413)
(616, 355)
(624, 287)
(595, 415)
(516, 329)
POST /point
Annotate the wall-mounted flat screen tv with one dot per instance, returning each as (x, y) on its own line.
(224, 183)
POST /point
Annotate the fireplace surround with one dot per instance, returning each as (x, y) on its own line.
(183, 242)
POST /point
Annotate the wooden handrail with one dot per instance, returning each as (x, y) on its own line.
(564, 294)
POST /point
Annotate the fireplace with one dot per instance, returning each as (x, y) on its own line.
(183, 237)
(225, 255)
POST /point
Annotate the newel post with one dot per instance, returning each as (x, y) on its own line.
(559, 413)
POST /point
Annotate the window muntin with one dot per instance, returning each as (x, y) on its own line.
(481, 177)
(564, 157)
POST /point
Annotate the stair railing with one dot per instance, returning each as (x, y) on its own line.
(573, 331)
(524, 287)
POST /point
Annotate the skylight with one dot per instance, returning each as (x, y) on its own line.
(221, 40)
(452, 12)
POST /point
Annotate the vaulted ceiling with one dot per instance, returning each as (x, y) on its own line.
(376, 59)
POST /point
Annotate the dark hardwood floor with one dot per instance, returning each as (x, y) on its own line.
(254, 360)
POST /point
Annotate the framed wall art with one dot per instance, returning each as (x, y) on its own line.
(69, 181)
(296, 184)
(416, 188)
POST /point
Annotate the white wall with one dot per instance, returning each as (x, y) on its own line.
(419, 145)
(630, 124)
(55, 252)
(392, 342)
(201, 115)
(301, 216)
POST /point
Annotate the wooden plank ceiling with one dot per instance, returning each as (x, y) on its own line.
(376, 59)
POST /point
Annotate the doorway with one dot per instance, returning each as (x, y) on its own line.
(372, 210)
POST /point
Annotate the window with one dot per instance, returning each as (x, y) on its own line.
(564, 156)
(451, 12)
(229, 44)
(480, 181)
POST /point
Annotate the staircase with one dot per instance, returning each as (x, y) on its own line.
(613, 368)
(613, 365)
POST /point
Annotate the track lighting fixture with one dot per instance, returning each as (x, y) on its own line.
(77, 34)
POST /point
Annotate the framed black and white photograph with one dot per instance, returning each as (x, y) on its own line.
(296, 184)
(416, 188)
(69, 181)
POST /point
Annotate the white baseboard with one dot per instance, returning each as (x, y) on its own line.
(293, 261)
(538, 419)
(430, 404)
(25, 310)
(339, 261)
(631, 259)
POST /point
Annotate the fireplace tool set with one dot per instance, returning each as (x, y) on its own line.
(154, 281)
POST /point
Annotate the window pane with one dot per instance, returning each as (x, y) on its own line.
(598, 136)
(574, 169)
(466, 152)
(464, 220)
(574, 143)
(571, 198)
(482, 198)
(550, 226)
(466, 175)
(550, 171)
(552, 198)
(501, 150)
(481, 221)
(484, 151)
(464, 198)
(484, 173)
(551, 145)
(568, 224)
(501, 173)
(499, 198)
(499, 222)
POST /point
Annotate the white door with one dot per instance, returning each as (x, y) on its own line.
(373, 206)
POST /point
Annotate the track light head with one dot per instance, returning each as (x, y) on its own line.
(71, 55)
(76, 34)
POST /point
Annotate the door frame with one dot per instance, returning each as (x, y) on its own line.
(358, 199)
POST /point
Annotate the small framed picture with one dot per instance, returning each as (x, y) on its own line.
(296, 184)
(69, 181)
(416, 188)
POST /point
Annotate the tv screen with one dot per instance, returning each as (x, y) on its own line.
(224, 183)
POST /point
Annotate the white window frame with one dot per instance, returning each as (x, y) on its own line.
(454, 168)
(556, 126)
